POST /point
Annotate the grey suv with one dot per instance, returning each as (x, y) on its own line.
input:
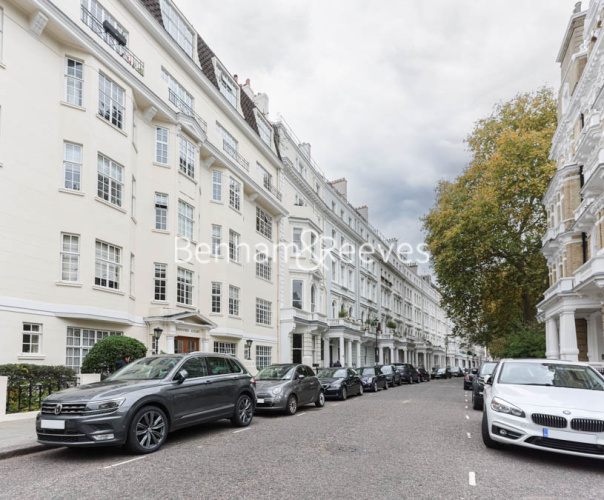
(140, 403)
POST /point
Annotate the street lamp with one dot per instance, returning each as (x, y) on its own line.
(377, 350)
(156, 335)
(248, 347)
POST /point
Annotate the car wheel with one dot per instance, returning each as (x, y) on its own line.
(292, 405)
(344, 394)
(475, 404)
(410, 379)
(148, 430)
(486, 438)
(360, 393)
(386, 384)
(375, 387)
(320, 402)
(244, 411)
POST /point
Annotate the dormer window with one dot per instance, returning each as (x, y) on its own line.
(228, 87)
(177, 27)
(264, 130)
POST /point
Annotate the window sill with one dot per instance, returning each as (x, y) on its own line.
(217, 202)
(31, 357)
(216, 315)
(234, 209)
(108, 290)
(160, 302)
(236, 262)
(73, 106)
(187, 176)
(69, 284)
(114, 127)
(71, 191)
(235, 317)
(261, 325)
(264, 236)
(110, 205)
(160, 231)
(264, 279)
(162, 165)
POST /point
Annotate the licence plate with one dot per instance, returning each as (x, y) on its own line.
(52, 424)
(260, 401)
(579, 437)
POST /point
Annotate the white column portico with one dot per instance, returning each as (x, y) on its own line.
(342, 352)
(358, 354)
(326, 352)
(568, 336)
(552, 342)
(348, 354)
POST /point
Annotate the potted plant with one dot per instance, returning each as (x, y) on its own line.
(342, 314)
(392, 325)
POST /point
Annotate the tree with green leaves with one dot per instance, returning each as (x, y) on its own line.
(484, 232)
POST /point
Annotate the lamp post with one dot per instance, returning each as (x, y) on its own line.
(156, 335)
(377, 351)
(248, 347)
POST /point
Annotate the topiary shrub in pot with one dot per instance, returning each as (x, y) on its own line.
(108, 351)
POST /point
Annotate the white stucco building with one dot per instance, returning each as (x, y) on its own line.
(140, 181)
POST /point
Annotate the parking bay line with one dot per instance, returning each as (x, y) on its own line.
(123, 463)
(241, 430)
(472, 479)
(467, 417)
(469, 435)
(300, 414)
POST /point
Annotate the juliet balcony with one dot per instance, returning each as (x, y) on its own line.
(233, 153)
(186, 109)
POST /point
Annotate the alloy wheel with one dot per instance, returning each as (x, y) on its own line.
(150, 429)
(245, 410)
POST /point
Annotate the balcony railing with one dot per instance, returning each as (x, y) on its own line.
(272, 189)
(232, 152)
(125, 53)
(186, 109)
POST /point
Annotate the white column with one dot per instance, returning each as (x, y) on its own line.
(568, 337)
(404, 360)
(170, 344)
(358, 354)
(342, 352)
(552, 343)
(592, 338)
(325, 352)
(392, 360)
(349, 354)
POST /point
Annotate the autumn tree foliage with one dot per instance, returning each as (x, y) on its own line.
(485, 229)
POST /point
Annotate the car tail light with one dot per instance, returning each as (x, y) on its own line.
(254, 381)
(467, 377)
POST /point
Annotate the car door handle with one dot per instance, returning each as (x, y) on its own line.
(208, 381)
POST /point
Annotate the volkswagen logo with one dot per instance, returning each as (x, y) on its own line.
(566, 412)
(58, 409)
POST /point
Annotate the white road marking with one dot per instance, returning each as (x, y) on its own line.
(406, 401)
(469, 435)
(122, 463)
(467, 417)
(300, 414)
(466, 407)
(472, 479)
(241, 430)
(335, 404)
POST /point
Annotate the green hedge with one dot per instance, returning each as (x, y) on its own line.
(24, 373)
(108, 351)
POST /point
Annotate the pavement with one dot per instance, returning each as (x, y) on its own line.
(18, 437)
(419, 441)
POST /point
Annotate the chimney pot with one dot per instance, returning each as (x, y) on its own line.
(247, 82)
(577, 8)
(236, 77)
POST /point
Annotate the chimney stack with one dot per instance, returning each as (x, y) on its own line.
(261, 102)
(363, 212)
(247, 82)
(236, 78)
(341, 186)
(577, 8)
(305, 147)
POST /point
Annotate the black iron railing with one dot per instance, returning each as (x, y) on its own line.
(28, 396)
(126, 54)
(231, 151)
(272, 189)
(186, 109)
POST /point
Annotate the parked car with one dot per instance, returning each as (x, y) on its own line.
(545, 404)
(408, 372)
(484, 371)
(423, 375)
(142, 402)
(393, 376)
(434, 372)
(468, 379)
(456, 371)
(443, 373)
(286, 387)
(340, 382)
(373, 378)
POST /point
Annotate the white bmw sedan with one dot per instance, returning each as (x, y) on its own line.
(545, 404)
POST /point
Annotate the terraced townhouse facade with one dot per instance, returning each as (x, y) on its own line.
(146, 193)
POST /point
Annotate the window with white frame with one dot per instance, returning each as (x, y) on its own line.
(132, 268)
(225, 348)
(110, 186)
(228, 87)
(108, 265)
(233, 300)
(216, 239)
(263, 266)
(111, 102)
(161, 211)
(178, 95)
(264, 131)
(161, 145)
(216, 185)
(216, 297)
(263, 312)
(187, 154)
(31, 338)
(234, 241)
(297, 286)
(264, 223)
(235, 194)
(160, 279)
(72, 166)
(177, 27)
(70, 257)
(79, 343)
(267, 178)
(297, 240)
(133, 203)
(184, 287)
(229, 144)
(185, 220)
(74, 78)
(263, 356)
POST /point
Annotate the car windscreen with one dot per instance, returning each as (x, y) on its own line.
(551, 375)
(278, 372)
(487, 369)
(367, 372)
(386, 369)
(339, 373)
(442, 370)
(145, 369)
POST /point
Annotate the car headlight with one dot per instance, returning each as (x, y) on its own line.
(104, 406)
(277, 390)
(336, 384)
(501, 406)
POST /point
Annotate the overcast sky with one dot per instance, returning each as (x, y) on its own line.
(387, 91)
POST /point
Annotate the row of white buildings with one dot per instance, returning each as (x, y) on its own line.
(145, 192)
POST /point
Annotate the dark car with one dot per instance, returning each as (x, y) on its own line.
(485, 370)
(340, 382)
(468, 379)
(456, 371)
(372, 378)
(408, 372)
(393, 376)
(443, 373)
(423, 374)
(288, 386)
(140, 403)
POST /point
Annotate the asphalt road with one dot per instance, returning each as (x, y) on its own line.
(419, 441)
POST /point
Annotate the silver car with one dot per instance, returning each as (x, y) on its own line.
(140, 403)
(286, 387)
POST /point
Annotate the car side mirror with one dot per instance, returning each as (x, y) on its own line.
(487, 380)
(181, 376)
(300, 376)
